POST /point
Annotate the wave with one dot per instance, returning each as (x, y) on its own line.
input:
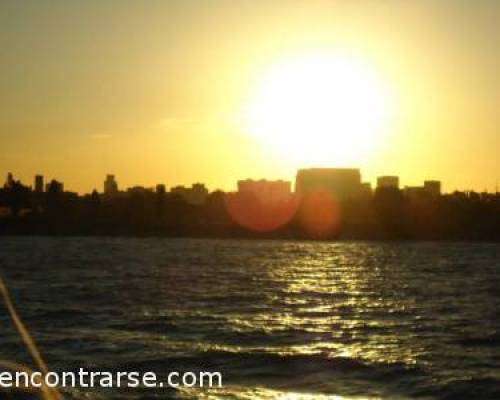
(474, 388)
(492, 340)
(342, 375)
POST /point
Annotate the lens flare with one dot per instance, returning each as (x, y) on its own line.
(250, 213)
(319, 214)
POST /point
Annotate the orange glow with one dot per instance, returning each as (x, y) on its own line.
(256, 216)
(178, 92)
(320, 214)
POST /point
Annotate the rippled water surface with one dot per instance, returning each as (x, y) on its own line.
(280, 320)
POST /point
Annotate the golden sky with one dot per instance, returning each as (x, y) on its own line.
(156, 91)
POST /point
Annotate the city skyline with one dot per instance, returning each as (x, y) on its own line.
(29, 180)
(111, 185)
(328, 203)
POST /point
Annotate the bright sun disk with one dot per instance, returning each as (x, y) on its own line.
(320, 109)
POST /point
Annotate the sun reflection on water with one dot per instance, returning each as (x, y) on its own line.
(244, 393)
(334, 308)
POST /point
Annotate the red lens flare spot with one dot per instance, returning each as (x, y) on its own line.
(319, 214)
(248, 211)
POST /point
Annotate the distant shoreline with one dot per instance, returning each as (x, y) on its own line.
(253, 237)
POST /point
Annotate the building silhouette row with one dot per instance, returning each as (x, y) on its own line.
(327, 203)
(341, 182)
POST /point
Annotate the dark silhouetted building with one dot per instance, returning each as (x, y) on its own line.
(161, 188)
(197, 194)
(140, 190)
(430, 189)
(433, 188)
(340, 182)
(266, 192)
(384, 182)
(366, 189)
(415, 193)
(110, 185)
(38, 183)
(54, 187)
(10, 180)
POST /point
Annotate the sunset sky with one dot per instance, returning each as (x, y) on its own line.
(178, 92)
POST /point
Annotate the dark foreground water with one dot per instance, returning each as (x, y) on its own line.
(280, 320)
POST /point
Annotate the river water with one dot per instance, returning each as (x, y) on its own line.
(278, 319)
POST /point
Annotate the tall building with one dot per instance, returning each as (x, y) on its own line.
(10, 180)
(340, 182)
(384, 182)
(266, 192)
(110, 185)
(38, 183)
(432, 188)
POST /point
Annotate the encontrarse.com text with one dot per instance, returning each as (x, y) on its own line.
(90, 379)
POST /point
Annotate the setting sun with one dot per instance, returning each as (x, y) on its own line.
(277, 200)
(320, 109)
